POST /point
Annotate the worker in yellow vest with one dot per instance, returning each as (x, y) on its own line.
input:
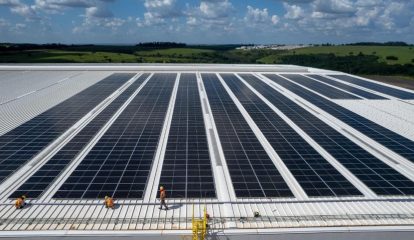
(109, 202)
(20, 202)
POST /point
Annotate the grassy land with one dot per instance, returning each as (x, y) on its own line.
(57, 56)
(405, 55)
(351, 59)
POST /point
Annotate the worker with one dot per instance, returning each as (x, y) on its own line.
(109, 202)
(163, 196)
(20, 202)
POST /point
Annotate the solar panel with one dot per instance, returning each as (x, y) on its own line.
(315, 174)
(44, 177)
(346, 87)
(321, 88)
(120, 162)
(252, 171)
(186, 171)
(376, 87)
(388, 138)
(374, 173)
(27, 140)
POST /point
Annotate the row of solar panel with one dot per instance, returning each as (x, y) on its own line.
(120, 163)
(42, 179)
(335, 87)
(24, 142)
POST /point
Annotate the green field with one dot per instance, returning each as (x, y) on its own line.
(196, 55)
(351, 59)
(57, 56)
(405, 55)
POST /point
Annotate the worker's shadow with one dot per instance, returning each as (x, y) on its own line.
(175, 206)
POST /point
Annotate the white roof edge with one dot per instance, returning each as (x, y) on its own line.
(158, 67)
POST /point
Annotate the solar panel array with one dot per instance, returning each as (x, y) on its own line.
(252, 171)
(45, 176)
(388, 138)
(376, 87)
(374, 173)
(314, 173)
(346, 87)
(120, 162)
(321, 88)
(128, 132)
(186, 170)
(26, 141)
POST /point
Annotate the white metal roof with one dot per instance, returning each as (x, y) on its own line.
(28, 90)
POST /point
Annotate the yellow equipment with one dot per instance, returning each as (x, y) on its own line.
(199, 226)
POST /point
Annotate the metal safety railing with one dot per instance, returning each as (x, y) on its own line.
(200, 226)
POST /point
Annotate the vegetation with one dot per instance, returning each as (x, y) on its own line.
(392, 58)
(160, 45)
(379, 44)
(404, 53)
(361, 58)
(360, 64)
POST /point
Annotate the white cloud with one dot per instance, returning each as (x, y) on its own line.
(98, 12)
(20, 8)
(97, 15)
(212, 14)
(275, 19)
(158, 12)
(215, 9)
(334, 6)
(8, 27)
(255, 16)
(293, 11)
(220, 20)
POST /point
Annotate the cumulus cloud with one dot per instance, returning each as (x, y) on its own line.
(7, 28)
(334, 6)
(329, 20)
(214, 9)
(158, 12)
(293, 11)
(98, 12)
(212, 14)
(97, 15)
(20, 8)
(349, 17)
(255, 16)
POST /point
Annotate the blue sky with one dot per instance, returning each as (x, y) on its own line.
(206, 22)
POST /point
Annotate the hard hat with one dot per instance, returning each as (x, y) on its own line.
(161, 188)
(106, 197)
(23, 196)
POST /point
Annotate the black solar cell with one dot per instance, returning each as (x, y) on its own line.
(24, 142)
(377, 175)
(376, 87)
(186, 171)
(41, 180)
(120, 162)
(388, 138)
(252, 171)
(323, 89)
(314, 173)
(346, 87)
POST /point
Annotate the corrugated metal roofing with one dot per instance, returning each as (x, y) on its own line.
(27, 91)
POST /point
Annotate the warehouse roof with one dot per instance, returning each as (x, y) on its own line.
(304, 147)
